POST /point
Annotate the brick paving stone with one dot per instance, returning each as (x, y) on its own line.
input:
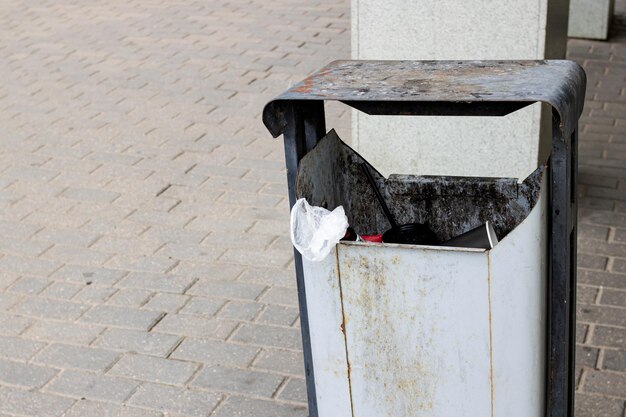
(81, 385)
(174, 235)
(281, 296)
(287, 362)
(242, 406)
(7, 279)
(130, 297)
(601, 278)
(141, 263)
(101, 196)
(76, 357)
(64, 236)
(32, 403)
(170, 303)
(24, 248)
(220, 378)
(592, 261)
(614, 360)
(58, 331)
(90, 408)
(279, 315)
(208, 270)
(157, 282)
(84, 274)
(17, 230)
(8, 301)
(609, 336)
(18, 349)
(11, 325)
(227, 289)
(29, 285)
(76, 254)
(48, 308)
(203, 306)
(62, 290)
(24, 375)
(586, 295)
(295, 391)
(195, 326)
(153, 369)
(608, 315)
(121, 317)
(192, 252)
(92, 294)
(110, 244)
(613, 297)
(240, 310)
(276, 258)
(268, 336)
(26, 265)
(213, 352)
(619, 265)
(586, 356)
(172, 399)
(611, 383)
(589, 405)
(137, 341)
(581, 332)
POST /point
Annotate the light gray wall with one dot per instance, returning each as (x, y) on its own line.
(456, 29)
(590, 18)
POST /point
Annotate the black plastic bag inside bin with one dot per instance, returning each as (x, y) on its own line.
(330, 175)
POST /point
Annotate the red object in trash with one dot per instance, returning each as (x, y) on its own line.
(373, 238)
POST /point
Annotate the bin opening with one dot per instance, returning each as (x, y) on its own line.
(330, 175)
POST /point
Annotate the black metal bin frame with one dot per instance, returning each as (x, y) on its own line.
(457, 88)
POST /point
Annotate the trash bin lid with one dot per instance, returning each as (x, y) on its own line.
(479, 88)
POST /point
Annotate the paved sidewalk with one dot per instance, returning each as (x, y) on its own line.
(601, 355)
(144, 264)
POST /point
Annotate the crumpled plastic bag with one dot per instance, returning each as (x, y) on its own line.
(315, 230)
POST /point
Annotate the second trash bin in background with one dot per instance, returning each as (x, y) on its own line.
(408, 330)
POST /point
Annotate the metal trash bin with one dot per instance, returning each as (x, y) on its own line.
(406, 330)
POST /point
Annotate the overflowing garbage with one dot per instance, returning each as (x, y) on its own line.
(315, 230)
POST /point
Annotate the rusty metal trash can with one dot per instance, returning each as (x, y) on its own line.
(408, 330)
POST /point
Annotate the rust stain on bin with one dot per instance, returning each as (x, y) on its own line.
(307, 85)
(372, 300)
(495, 84)
(343, 330)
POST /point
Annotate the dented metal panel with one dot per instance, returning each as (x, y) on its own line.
(416, 331)
(518, 276)
(440, 87)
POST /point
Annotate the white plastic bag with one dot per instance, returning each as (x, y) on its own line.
(315, 230)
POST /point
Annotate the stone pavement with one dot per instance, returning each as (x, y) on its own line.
(601, 332)
(144, 264)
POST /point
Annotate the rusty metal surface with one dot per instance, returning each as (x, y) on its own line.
(330, 175)
(495, 85)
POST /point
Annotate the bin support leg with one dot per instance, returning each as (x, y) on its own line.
(573, 267)
(562, 282)
(305, 126)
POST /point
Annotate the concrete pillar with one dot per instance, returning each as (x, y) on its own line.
(457, 29)
(590, 18)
